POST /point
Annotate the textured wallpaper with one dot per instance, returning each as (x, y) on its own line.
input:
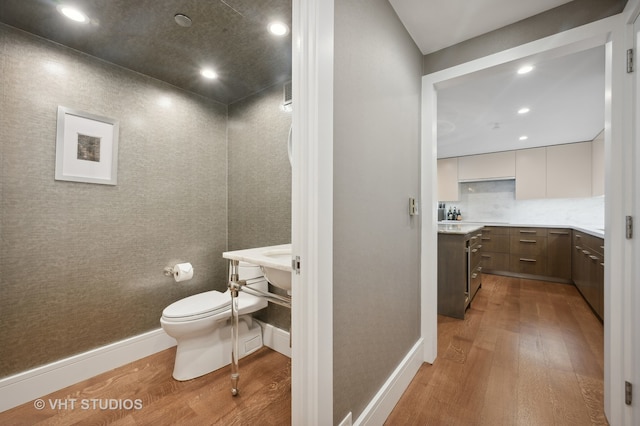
(260, 180)
(81, 264)
(376, 161)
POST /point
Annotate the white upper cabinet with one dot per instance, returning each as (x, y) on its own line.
(531, 173)
(498, 165)
(597, 169)
(569, 170)
(448, 180)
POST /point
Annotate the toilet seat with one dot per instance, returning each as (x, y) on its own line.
(210, 303)
(198, 306)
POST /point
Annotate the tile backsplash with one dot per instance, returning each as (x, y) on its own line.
(495, 201)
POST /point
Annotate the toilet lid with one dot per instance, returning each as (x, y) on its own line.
(198, 304)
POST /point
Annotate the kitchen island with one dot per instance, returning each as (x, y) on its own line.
(459, 267)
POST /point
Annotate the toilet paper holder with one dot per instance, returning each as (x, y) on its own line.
(168, 271)
(173, 270)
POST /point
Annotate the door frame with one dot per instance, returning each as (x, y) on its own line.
(632, 413)
(609, 32)
(312, 213)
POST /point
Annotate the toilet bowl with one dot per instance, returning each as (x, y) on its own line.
(201, 325)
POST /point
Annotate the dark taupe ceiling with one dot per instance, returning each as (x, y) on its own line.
(229, 36)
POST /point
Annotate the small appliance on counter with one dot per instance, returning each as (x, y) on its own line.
(441, 212)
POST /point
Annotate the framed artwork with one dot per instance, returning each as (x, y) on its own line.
(86, 147)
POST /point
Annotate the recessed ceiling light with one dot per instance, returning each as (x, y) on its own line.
(278, 28)
(209, 73)
(523, 110)
(524, 138)
(73, 14)
(525, 69)
(165, 101)
(182, 20)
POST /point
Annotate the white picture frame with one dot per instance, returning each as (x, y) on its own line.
(86, 147)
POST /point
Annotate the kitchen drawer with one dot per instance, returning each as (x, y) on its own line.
(495, 243)
(586, 241)
(495, 261)
(528, 232)
(528, 244)
(527, 264)
(476, 250)
(595, 244)
(495, 230)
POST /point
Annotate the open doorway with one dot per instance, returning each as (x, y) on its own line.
(601, 33)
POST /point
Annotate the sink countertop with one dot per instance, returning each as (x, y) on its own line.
(596, 232)
(257, 256)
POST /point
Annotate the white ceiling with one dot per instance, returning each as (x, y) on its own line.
(436, 25)
(565, 95)
(478, 114)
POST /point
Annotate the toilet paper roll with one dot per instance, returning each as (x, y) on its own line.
(182, 272)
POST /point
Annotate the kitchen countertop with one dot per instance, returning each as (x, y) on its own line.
(596, 232)
(461, 228)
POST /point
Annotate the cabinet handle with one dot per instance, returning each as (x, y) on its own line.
(479, 268)
(527, 260)
(479, 246)
(602, 264)
(593, 257)
(558, 233)
(474, 276)
(528, 232)
(585, 252)
(528, 241)
(474, 238)
(578, 248)
(474, 250)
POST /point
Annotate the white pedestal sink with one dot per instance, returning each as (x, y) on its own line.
(275, 262)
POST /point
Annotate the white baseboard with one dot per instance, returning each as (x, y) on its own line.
(275, 338)
(346, 421)
(26, 386)
(377, 411)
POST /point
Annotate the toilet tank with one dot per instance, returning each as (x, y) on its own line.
(247, 271)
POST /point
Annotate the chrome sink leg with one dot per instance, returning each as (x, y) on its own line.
(234, 287)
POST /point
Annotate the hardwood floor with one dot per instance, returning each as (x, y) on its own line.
(265, 396)
(527, 353)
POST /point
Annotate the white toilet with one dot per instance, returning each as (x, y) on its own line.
(201, 324)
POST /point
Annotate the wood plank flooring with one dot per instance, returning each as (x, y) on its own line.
(264, 399)
(527, 353)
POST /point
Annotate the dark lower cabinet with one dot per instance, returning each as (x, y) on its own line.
(552, 254)
(531, 252)
(559, 253)
(588, 270)
(459, 272)
(495, 248)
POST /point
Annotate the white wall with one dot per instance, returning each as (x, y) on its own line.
(494, 201)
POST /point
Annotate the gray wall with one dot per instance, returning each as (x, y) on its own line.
(81, 264)
(259, 171)
(562, 18)
(260, 180)
(376, 281)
